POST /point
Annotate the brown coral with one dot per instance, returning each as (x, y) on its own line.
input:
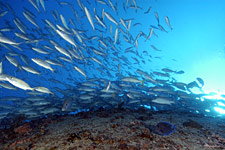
(23, 129)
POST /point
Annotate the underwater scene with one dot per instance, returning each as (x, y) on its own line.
(112, 74)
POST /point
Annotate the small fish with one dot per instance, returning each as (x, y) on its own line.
(80, 71)
(3, 13)
(42, 63)
(39, 50)
(167, 70)
(89, 18)
(18, 83)
(12, 60)
(78, 36)
(150, 34)
(100, 21)
(110, 29)
(35, 5)
(168, 22)
(1, 70)
(66, 105)
(63, 51)
(157, 17)
(30, 69)
(43, 90)
(101, 2)
(129, 24)
(112, 6)
(110, 18)
(161, 28)
(50, 24)
(180, 72)
(200, 80)
(7, 86)
(133, 80)
(164, 128)
(149, 9)
(192, 84)
(163, 101)
(155, 48)
(53, 62)
(96, 60)
(19, 25)
(116, 35)
(123, 23)
(103, 14)
(29, 18)
(108, 86)
(66, 37)
(63, 21)
(137, 24)
(4, 39)
(22, 36)
(43, 4)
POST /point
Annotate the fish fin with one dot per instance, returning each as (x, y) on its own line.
(19, 68)
(174, 127)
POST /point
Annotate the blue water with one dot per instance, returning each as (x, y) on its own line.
(196, 45)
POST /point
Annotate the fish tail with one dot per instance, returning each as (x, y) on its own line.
(18, 43)
(174, 127)
(19, 68)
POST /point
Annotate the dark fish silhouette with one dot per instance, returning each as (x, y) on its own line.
(164, 128)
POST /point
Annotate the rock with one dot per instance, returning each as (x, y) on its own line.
(192, 124)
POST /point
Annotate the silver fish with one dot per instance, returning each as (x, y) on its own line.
(63, 51)
(157, 17)
(43, 90)
(116, 36)
(4, 39)
(1, 69)
(131, 79)
(66, 37)
(7, 86)
(12, 60)
(29, 18)
(19, 83)
(30, 69)
(42, 63)
(164, 101)
(80, 71)
(43, 4)
(67, 104)
(89, 18)
(110, 18)
(63, 21)
(35, 5)
(168, 22)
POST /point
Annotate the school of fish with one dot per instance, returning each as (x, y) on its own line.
(91, 57)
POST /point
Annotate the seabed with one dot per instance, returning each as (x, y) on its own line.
(119, 128)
